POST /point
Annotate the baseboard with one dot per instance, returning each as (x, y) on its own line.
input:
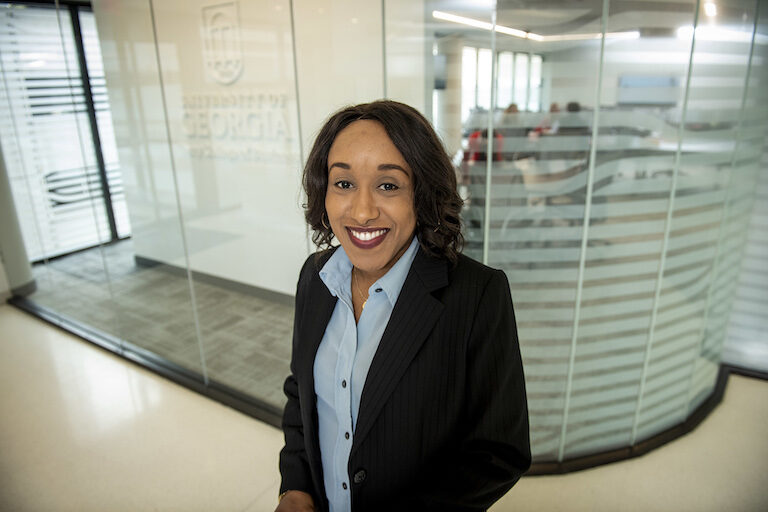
(643, 447)
(227, 284)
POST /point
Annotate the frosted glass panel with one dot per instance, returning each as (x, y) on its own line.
(643, 83)
(747, 335)
(46, 135)
(746, 342)
(539, 171)
(714, 190)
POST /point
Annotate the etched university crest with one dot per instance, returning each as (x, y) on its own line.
(222, 53)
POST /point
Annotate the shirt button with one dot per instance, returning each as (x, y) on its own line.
(344, 485)
(344, 383)
(346, 435)
(378, 290)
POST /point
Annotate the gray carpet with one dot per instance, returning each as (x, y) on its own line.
(245, 340)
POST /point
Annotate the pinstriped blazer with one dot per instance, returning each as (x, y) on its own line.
(443, 418)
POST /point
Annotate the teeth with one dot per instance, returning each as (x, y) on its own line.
(368, 235)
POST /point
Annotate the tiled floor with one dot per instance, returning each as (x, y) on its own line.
(82, 430)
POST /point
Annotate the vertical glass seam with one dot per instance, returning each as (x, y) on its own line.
(724, 216)
(667, 228)
(77, 123)
(477, 75)
(489, 140)
(528, 81)
(182, 228)
(302, 194)
(584, 234)
(384, 47)
(75, 24)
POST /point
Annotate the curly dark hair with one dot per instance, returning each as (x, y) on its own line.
(436, 201)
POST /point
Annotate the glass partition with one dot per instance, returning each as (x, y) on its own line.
(232, 122)
(51, 161)
(631, 173)
(729, 140)
(746, 344)
(538, 198)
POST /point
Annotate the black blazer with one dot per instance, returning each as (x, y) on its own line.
(443, 419)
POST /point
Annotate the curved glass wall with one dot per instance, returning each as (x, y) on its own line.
(611, 156)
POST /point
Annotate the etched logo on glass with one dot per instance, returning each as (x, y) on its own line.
(222, 52)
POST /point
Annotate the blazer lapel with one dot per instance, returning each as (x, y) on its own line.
(412, 319)
(319, 308)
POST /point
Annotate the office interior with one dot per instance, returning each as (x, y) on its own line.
(611, 155)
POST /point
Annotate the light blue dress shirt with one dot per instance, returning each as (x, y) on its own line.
(342, 362)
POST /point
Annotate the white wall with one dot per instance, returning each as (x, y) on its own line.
(338, 58)
(408, 54)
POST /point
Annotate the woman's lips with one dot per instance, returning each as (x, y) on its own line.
(367, 238)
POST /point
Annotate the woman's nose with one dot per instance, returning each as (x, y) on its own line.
(364, 207)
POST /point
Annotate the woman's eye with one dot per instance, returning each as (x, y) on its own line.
(389, 187)
(343, 184)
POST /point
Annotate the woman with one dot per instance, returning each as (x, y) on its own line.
(407, 387)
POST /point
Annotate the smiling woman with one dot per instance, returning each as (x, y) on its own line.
(409, 135)
(369, 201)
(406, 389)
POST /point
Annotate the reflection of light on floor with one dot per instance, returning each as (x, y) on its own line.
(102, 395)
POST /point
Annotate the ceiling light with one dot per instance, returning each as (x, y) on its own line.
(445, 16)
(706, 33)
(522, 34)
(710, 9)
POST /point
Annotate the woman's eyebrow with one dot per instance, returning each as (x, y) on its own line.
(392, 167)
(382, 167)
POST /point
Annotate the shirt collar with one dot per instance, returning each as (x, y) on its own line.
(336, 274)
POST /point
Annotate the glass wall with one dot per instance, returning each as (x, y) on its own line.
(610, 155)
(746, 345)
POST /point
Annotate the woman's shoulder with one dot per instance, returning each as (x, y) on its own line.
(473, 283)
(470, 268)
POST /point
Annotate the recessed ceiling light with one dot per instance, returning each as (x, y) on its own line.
(522, 34)
(710, 9)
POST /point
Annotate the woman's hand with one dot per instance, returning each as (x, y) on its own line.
(296, 501)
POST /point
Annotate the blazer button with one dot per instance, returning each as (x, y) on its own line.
(359, 476)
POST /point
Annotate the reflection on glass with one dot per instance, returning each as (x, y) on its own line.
(468, 80)
(504, 92)
(534, 84)
(484, 78)
(521, 79)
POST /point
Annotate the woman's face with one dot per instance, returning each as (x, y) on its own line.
(369, 199)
